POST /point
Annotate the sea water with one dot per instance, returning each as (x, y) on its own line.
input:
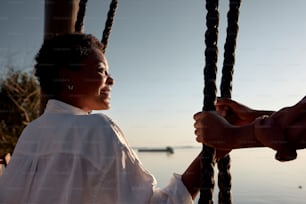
(257, 178)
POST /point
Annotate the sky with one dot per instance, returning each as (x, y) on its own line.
(156, 56)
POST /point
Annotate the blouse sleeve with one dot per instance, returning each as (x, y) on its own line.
(175, 192)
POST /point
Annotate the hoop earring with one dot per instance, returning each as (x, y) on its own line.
(70, 87)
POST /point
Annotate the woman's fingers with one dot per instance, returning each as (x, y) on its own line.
(222, 110)
(198, 115)
(199, 126)
(202, 118)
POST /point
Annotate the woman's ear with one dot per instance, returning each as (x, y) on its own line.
(66, 79)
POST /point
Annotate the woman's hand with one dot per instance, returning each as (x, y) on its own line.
(237, 113)
(214, 131)
(242, 127)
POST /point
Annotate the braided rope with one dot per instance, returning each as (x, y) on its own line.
(229, 49)
(224, 176)
(79, 24)
(210, 89)
(109, 22)
(224, 180)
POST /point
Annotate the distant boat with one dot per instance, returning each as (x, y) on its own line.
(166, 149)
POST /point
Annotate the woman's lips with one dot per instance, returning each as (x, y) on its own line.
(105, 92)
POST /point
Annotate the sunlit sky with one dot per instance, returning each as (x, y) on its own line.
(156, 56)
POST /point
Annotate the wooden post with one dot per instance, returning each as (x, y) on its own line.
(60, 16)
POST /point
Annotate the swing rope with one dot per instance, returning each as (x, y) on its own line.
(210, 90)
(229, 49)
(81, 16)
(224, 176)
(210, 71)
(108, 24)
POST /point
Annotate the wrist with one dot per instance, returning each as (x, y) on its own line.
(261, 113)
(270, 134)
(244, 136)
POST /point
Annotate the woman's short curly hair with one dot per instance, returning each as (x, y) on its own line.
(62, 51)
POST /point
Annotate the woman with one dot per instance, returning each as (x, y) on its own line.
(235, 125)
(68, 155)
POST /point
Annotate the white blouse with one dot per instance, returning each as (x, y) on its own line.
(70, 156)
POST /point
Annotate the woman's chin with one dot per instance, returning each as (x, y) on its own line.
(104, 106)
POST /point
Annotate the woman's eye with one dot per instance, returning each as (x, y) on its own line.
(102, 70)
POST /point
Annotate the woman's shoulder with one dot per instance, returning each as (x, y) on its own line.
(97, 122)
(98, 118)
(68, 121)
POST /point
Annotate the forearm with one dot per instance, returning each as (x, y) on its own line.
(191, 177)
(245, 137)
(291, 122)
(302, 143)
(296, 133)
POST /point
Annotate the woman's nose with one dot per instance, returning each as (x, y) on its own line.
(110, 80)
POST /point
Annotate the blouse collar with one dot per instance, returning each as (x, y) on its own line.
(56, 106)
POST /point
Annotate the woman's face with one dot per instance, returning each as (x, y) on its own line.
(92, 83)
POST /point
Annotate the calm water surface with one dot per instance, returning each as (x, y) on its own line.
(257, 178)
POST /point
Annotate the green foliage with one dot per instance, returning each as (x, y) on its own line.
(19, 105)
